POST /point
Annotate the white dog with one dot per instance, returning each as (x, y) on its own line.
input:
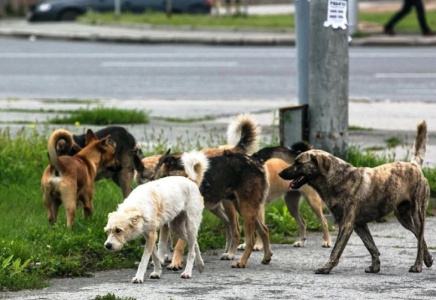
(175, 200)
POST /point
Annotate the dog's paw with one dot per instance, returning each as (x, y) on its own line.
(137, 280)
(322, 271)
(241, 247)
(428, 261)
(373, 269)
(326, 244)
(415, 269)
(200, 267)
(167, 258)
(186, 275)
(299, 244)
(258, 247)
(238, 264)
(174, 267)
(155, 275)
(227, 256)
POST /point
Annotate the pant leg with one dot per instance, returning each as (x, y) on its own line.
(420, 12)
(407, 6)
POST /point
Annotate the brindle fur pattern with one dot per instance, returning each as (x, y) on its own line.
(356, 196)
(70, 179)
(126, 148)
(232, 176)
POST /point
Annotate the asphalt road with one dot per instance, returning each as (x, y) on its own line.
(290, 275)
(61, 69)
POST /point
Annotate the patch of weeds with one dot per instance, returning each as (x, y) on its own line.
(358, 128)
(71, 101)
(374, 148)
(110, 296)
(393, 142)
(15, 275)
(398, 247)
(104, 116)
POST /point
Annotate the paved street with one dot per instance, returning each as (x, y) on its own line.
(290, 275)
(60, 69)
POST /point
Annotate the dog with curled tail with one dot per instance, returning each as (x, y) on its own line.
(174, 200)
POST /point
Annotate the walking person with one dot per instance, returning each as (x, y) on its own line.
(407, 7)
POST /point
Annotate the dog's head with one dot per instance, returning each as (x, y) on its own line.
(169, 165)
(145, 168)
(123, 226)
(102, 151)
(308, 166)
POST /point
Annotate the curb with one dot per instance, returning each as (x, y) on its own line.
(245, 39)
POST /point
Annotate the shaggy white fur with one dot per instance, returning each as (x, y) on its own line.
(173, 200)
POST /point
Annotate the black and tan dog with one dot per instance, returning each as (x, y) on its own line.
(238, 178)
(356, 196)
(126, 148)
(69, 180)
(276, 159)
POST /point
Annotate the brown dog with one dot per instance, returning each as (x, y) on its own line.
(69, 180)
(356, 196)
(238, 178)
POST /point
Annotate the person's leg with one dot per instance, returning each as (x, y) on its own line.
(407, 6)
(420, 12)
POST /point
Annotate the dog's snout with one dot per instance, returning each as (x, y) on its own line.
(108, 246)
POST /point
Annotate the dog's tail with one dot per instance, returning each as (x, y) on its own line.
(420, 144)
(195, 164)
(56, 136)
(244, 133)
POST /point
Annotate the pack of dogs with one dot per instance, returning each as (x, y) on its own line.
(231, 181)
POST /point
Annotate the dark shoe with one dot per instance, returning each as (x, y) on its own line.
(388, 31)
(429, 33)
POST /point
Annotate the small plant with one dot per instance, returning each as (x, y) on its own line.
(393, 142)
(104, 116)
(110, 296)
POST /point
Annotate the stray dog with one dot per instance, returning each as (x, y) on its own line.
(70, 179)
(238, 178)
(356, 196)
(126, 147)
(276, 159)
(174, 200)
(243, 135)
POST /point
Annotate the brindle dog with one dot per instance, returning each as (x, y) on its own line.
(233, 176)
(356, 196)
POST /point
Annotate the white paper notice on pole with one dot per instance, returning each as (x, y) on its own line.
(336, 14)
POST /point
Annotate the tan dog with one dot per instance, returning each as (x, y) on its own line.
(69, 180)
(356, 196)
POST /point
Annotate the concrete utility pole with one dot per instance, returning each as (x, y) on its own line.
(117, 7)
(302, 32)
(353, 16)
(328, 83)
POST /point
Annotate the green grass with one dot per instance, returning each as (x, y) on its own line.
(393, 142)
(104, 116)
(33, 251)
(271, 22)
(110, 296)
(279, 22)
(358, 128)
(407, 24)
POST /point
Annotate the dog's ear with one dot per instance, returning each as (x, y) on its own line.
(168, 152)
(324, 164)
(90, 136)
(107, 141)
(134, 216)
